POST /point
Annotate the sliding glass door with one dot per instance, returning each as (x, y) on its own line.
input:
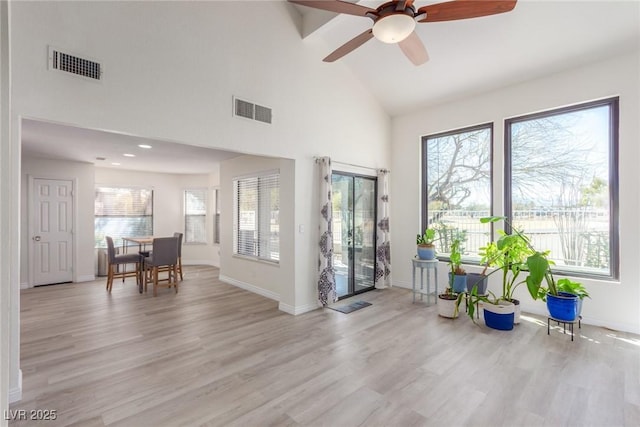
(354, 228)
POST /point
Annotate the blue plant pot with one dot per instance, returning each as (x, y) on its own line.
(459, 283)
(500, 318)
(425, 252)
(563, 307)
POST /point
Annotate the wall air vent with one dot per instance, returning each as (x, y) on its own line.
(251, 111)
(69, 63)
(263, 114)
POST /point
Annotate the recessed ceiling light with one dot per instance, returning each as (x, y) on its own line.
(115, 164)
(144, 146)
(129, 155)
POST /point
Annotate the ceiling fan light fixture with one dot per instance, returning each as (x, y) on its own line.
(394, 28)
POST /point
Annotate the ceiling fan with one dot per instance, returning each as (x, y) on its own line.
(394, 21)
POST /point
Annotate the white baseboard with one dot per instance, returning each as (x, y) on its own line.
(86, 278)
(251, 288)
(402, 284)
(287, 308)
(24, 285)
(199, 262)
(15, 394)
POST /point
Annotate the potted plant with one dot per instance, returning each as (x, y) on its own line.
(576, 288)
(457, 275)
(562, 303)
(509, 255)
(447, 303)
(426, 248)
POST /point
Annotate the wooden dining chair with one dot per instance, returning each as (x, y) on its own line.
(163, 258)
(117, 264)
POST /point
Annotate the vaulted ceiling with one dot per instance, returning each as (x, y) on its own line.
(537, 38)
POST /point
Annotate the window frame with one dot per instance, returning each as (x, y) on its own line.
(614, 194)
(205, 235)
(260, 219)
(424, 202)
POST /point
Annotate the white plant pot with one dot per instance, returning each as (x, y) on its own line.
(447, 308)
(499, 316)
(504, 307)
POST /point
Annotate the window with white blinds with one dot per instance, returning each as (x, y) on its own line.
(195, 216)
(216, 217)
(122, 212)
(256, 216)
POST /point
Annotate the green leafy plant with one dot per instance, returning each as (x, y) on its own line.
(509, 255)
(538, 265)
(427, 238)
(455, 259)
(565, 285)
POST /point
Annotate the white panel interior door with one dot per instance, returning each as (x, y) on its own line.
(52, 259)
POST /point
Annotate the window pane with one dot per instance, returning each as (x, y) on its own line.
(195, 216)
(122, 212)
(216, 217)
(458, 187)
(256, 217)
(561, 186)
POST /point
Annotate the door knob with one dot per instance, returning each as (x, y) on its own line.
(36, 238)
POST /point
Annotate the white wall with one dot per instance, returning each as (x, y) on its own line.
(276, 281)
(83, 176)
(168, 213)
(615, 304)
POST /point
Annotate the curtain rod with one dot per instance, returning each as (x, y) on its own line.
(316, 158)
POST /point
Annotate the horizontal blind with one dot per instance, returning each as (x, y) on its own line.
(122, 212)
(256, 216)
(195, 216)
(216, 219)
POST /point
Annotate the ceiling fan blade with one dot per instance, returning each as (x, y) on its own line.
(349, 46)
(464, 9)
(336, 6)
(414, 49)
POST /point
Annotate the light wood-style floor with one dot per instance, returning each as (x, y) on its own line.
(217, 355)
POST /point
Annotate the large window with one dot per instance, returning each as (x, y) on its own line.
(457, 187)
(561, 184)
(195, 216)
(122, 212)
(256, 223)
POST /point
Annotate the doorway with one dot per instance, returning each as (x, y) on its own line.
(354, 232)
(51, 213)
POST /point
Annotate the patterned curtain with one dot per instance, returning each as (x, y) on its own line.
(327, 293)
(383, 244)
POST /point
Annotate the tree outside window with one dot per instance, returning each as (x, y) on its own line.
(457, 187)
(562, 184)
